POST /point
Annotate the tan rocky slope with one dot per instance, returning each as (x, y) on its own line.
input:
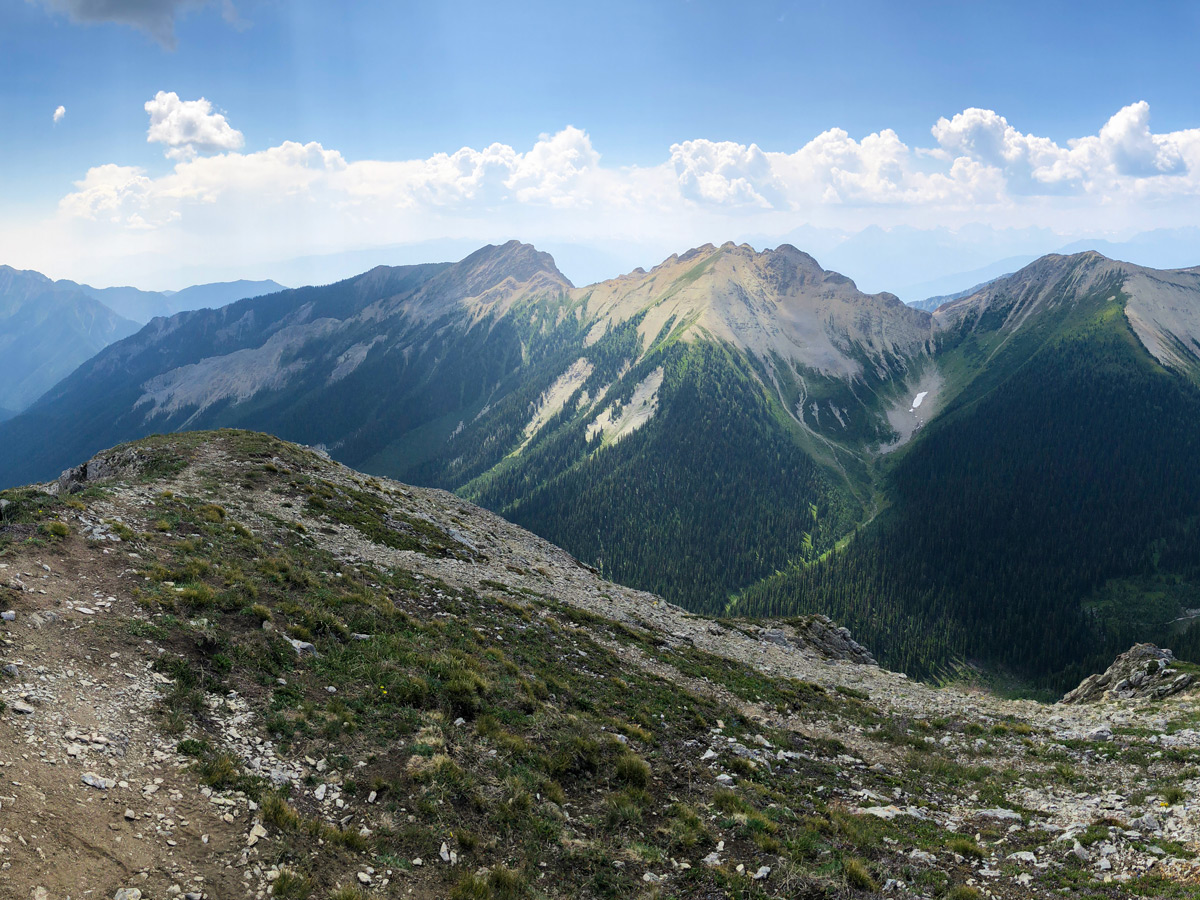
(773, 303)
(234, 668)
(1161, 304)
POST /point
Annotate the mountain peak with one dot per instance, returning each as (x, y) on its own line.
(489, 281)
(772, 303)
(514, 259)
(1159, 304)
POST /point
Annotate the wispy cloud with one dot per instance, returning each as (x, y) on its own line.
(59, 114)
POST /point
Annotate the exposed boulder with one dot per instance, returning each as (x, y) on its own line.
(99, 468)
(820, 635)
(1143, 671)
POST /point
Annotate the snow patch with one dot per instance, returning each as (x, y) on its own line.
(907, 420)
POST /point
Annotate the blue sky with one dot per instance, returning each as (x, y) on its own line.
(688, 121)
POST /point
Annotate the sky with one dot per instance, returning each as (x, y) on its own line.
(166, 142)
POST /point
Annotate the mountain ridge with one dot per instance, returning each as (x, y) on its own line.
(1044, 513)
(730, 425)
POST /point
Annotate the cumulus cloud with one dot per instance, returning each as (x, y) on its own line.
(979, 160)
(189, 127)
(1029, 164)
(59, 114)
(1124, 152)
(155, 17)
(219, 202)
(1127, 143)
(725, 173)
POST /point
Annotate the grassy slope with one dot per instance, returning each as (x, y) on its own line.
(573, 774)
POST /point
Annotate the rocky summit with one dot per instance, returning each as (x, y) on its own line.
(232, 668)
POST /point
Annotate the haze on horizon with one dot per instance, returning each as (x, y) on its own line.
(164, 142)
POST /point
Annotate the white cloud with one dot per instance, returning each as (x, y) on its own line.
(156, 18)
(1029, 164)
(1128, 146)
(1124, 153)
(59, 114)
(221, 205)
(189, 127)
(725, 173)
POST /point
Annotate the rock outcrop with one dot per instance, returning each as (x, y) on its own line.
(99, 468)
(1143, 671)
(822, 636)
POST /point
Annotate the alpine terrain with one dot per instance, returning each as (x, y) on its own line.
(651, 424)
(230, 667)
(1048, 516)
(1002, 484)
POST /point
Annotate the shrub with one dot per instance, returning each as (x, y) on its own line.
(965, 847)
(622, 810)
(633, 770)
(211, 512)
(729, 802)
(199, 596)
(277, 812)
(687, 830)
(193, 747)
(292, 885)
(1064, 772)
(219, 770)
(577, 755)
(858, 875)
(499, 884)
(1174, 794)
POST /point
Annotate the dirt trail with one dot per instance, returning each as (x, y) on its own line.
(91, 698)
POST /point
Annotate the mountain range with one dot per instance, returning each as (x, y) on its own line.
(738, 430)
(47, 327)
(142, 306)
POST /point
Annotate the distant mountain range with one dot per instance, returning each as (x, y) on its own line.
(931, 304)
(142, 306)
(47, 328)
(1009, 480)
